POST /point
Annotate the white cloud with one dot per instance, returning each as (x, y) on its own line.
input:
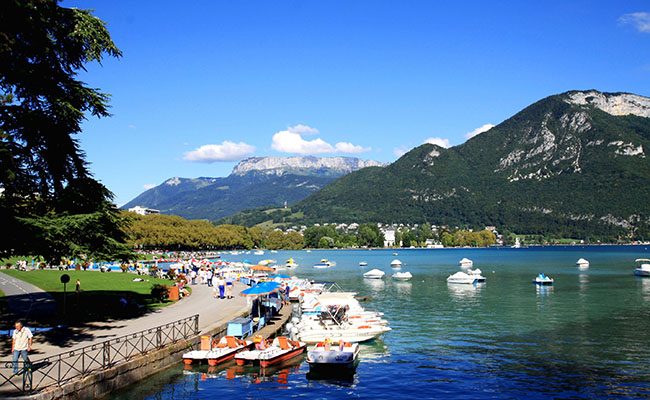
(478, 131)
(346, 147)
(226, 151)
(149, 186)
(291, 141)
(439, 142)
(640, 20)
(302, 129)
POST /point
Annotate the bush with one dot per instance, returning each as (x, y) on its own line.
(159, 292)
(42, 265)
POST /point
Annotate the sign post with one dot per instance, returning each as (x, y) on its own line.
(65, 278)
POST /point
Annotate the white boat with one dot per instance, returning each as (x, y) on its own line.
(542, 279)
(346, 332)
(476, 273)
(396, 263)
(582, 263)
(290, 263)
(326, 357)
(324, 263)
(402, 276)
(363, 264)
(643, 268)
(394, 254)
(374, 274)
(461, 277)
(259, 253)
(466, 263)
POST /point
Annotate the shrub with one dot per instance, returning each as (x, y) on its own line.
(159, 292)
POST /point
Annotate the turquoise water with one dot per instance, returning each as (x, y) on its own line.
(585, 337)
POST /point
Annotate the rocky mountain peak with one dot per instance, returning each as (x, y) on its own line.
(303, 165)
(616, 104)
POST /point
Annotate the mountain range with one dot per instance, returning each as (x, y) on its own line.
(573, 164)
(254, 182)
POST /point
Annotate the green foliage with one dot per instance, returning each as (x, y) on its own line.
(159, 292)
(50, 203)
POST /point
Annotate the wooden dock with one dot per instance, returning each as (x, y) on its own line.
(275, 324)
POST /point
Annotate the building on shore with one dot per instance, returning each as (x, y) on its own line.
(143, 210)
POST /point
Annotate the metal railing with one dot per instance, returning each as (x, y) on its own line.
(63, 367)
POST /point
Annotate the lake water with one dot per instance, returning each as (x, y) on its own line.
(587, 336)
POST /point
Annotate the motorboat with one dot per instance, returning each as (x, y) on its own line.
(223, 350)
(374, 274)
(259, 253)
(396, 263)
(363, 264)
(290, 263)
(403, 276)
(643, 268)
(394, 254)
(542, 279)
(461, 277)
(346, 332)
(466, 263)
(582, 263)
(324, 263)
(340, 358)
(281, 349)
(476, 273)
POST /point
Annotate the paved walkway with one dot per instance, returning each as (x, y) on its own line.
(25, 298)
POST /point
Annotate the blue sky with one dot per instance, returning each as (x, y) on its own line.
(203, 85)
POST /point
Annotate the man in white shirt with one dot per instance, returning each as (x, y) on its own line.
(21, 343)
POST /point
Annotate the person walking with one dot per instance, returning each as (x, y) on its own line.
(229, 283)
(21, 344)
(193, 276)
(222, 286)
(287, 290)
(210, 276)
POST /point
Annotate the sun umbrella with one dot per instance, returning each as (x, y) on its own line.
(261, 268)
(279, 276)
(260, 290)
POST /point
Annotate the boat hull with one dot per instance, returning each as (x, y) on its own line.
(641, 272)
(287, 356)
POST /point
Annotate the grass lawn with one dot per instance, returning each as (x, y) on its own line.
(100, 294)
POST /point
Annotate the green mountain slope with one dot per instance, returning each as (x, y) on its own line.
(574, 163)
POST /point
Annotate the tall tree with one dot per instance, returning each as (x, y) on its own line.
(43, 172)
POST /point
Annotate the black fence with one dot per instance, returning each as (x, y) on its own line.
(62, 368)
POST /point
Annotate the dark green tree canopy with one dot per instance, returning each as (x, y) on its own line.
(49, 199)
(42, 46)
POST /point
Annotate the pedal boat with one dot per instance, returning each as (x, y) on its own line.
(332, 358)
(223, 350)
(281, 349)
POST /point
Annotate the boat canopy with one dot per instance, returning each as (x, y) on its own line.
(642, 260)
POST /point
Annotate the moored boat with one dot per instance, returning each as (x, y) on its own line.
(403, 276)
(396, 263)
(329, 358)
(582, 263)
(462, 278)
(281, 349)
(466, 263)
(643, 268)
(363, 264)
(290, 263)
(374, 274)
(476, 273)
(324, 263)
(542, 279)
(223, 350)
